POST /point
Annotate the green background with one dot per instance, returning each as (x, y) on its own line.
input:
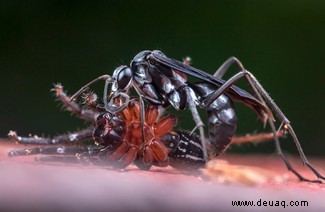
(72, 42)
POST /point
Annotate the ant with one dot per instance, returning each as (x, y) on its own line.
(162, 81)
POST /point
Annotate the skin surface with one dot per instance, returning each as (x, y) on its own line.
(26, 184)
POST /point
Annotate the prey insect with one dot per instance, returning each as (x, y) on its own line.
(119, 138)
(163, 81)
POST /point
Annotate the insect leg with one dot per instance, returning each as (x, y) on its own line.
(226, 65)
(142, 116)
(59, 150)
(286, 126)
(261, 137)
(197, 120)
(61, 154)
(85, 87)
(79, 136)
(87, 115)
(263, 95)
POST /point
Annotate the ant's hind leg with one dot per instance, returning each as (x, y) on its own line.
(262, 95)
(226, 65)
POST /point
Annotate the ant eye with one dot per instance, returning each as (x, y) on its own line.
(124, 78)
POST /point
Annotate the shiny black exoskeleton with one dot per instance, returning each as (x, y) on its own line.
(222, 119)
(163, 81)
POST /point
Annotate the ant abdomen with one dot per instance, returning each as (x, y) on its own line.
(222, 119)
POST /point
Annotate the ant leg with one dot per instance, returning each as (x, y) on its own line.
(195, 114)
(73, 107)
(85, 87)
(116, 107)
(197, 120)
(79, 136)
(262, 94)
(142, 117)
(225, 67)
(259, 91)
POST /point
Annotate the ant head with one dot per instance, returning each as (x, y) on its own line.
(123, 78)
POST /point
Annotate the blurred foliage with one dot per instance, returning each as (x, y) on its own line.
(72, 42)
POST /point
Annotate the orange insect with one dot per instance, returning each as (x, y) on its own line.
(122, 136)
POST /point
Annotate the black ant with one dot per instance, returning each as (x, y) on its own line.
(163, 81)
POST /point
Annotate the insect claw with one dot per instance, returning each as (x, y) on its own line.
(58, 89)
(13, 135)
(89, 98)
